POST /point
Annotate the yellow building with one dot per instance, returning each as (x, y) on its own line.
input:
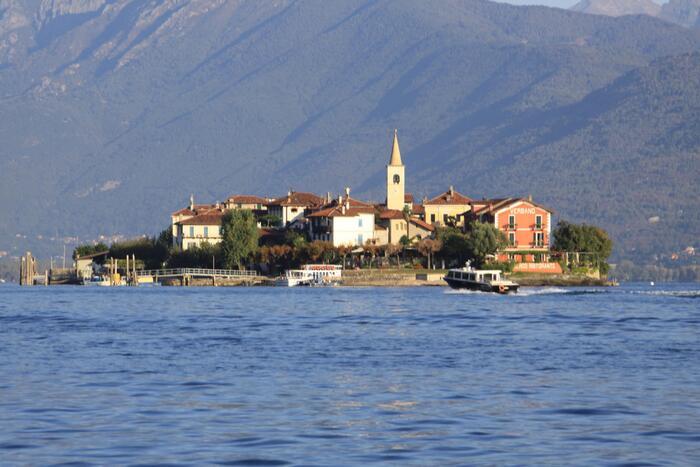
(446, 208)
(254, 203)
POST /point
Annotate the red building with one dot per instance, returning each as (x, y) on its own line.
(527, 226)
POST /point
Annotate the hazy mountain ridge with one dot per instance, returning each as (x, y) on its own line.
(618, 7)
(682, 12)
(111, 121)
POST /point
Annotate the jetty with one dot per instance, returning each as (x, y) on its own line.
(188, 276)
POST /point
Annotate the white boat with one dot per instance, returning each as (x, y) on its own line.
(313, 275)
(101, 281)
(479, 279)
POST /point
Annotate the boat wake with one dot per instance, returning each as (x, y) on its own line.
(532, 291)
(668, 293)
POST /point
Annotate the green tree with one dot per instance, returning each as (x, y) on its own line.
(428, 247)
(270, 220)
(239, 233)
(483, 240)
(454, 245)
(584, 238)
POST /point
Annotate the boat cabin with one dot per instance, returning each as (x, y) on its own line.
(475, 276)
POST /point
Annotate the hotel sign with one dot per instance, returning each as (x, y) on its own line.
(544, 268)
(523, 211)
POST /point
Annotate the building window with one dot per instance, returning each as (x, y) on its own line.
(511, 222)
(294, 209)
(538, 222)
(206, 232)
(432, 218)
(539, 239)
(191, 231)
(511, 238)
(359, 222)
(360, 240)
(444, 219)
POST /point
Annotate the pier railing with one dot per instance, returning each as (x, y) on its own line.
(196, 272)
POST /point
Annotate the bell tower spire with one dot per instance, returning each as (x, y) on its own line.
(395, 183)
(395, 151)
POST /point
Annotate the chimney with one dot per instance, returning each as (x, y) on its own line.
(191, 202)
(347, 192)
(529, 198)
(328, 197)
(452, 190)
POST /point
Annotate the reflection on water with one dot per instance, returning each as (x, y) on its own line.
(422, 376)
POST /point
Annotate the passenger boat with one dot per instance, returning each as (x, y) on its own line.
(479, 279)
(313, 275)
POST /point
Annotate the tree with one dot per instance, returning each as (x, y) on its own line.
(583, 238)
(428, 247)
(270, 220)
(393, 250)
(240, 234)
(483, 240)
(454, 245)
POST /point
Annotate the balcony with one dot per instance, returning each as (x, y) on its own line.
(511, 226)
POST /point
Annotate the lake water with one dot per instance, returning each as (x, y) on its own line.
(422, 376)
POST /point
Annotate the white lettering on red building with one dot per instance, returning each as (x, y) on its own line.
(523, 211)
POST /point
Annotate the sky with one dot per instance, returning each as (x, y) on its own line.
(555, 3)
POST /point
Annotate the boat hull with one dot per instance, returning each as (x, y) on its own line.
(481, 287)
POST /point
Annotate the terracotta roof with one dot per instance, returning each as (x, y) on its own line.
(247, 199)
(418, 209)
(198, 209)
(488, 206)
(297, 198)
(391, 214)
(449, 197)
(422, 224)
(209, 218)
(336, 210)
(408, 198)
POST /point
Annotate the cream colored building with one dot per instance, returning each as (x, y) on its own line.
(197, 224)
(395, 178)
(446, 207)
(343, 222)
(194, 231)
(254, 203)
(294, 206)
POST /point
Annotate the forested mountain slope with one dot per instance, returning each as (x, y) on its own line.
(114, 112)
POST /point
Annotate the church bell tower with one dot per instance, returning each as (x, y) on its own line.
(395, 182)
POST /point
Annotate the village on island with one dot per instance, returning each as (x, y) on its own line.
(249, 239)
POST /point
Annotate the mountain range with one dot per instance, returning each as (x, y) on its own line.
(114, 112)
(683, 12)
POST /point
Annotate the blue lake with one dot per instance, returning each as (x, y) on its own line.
(421, 376)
